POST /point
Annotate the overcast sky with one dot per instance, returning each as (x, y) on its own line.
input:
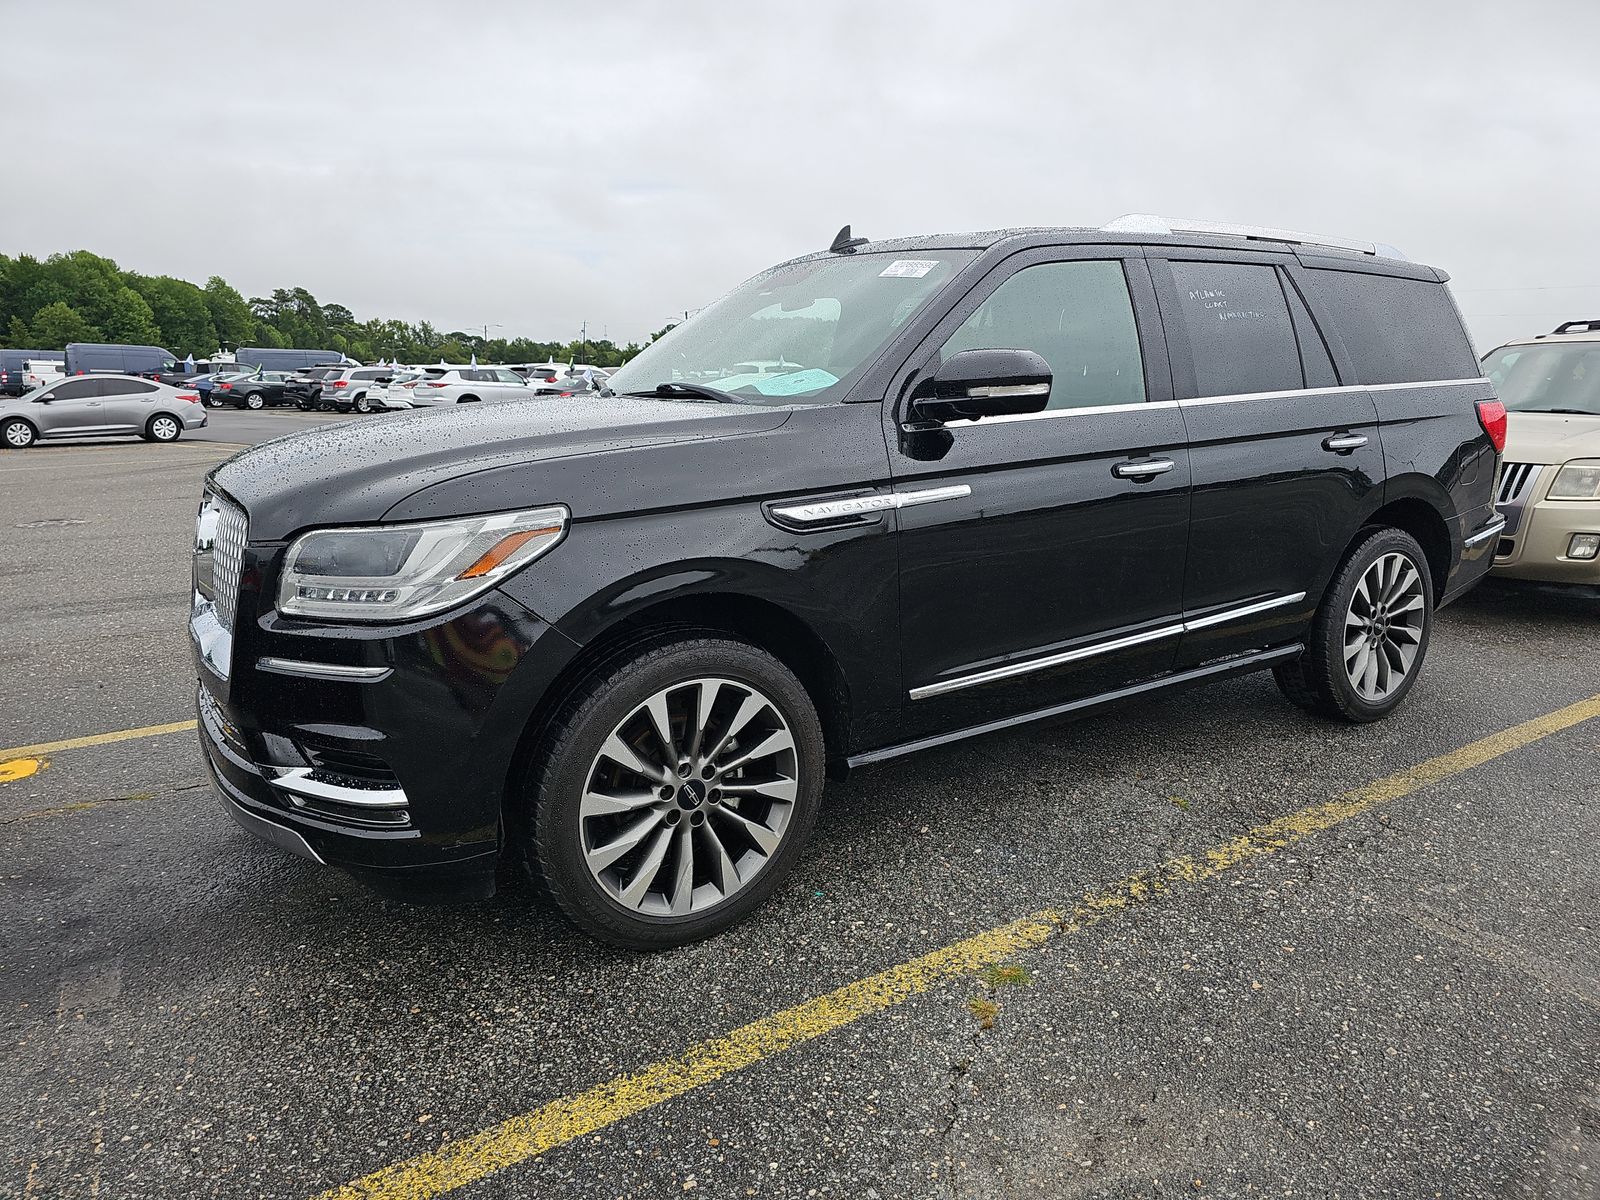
(535, 165)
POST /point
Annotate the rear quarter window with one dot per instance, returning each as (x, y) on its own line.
(1395, 330)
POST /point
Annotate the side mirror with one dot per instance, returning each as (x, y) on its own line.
(985, 383)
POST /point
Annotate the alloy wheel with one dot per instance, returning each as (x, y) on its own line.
(19, 435)
(1383, 627)
(689, 797)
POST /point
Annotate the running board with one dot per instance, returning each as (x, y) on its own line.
(1239, 665)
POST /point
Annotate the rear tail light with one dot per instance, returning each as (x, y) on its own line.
(438, 385)
(341, 383)
(227, 387)
(1492, 416)
(194, 397)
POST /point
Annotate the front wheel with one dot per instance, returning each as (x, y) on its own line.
(1370, 634)
(362, 405)
(674, 792)
(18, 434)
(162, 428)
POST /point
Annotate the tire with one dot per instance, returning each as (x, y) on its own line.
(254, 402)
(163, 428)
(739, 847)
(1370, 635)
(361, 404)
(213, 403)
(17, 434)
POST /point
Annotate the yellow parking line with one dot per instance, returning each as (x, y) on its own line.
(523, 1137)
(94, 739)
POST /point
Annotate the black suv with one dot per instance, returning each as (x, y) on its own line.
(874, 500)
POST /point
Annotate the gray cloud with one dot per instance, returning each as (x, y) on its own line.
(398, 158)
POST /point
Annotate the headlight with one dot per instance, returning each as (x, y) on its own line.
(397, 572)
(1578, 480)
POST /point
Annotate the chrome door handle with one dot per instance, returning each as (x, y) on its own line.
(1143, 470)
(1343, 443)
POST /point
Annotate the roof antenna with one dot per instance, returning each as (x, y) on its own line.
(843, 243)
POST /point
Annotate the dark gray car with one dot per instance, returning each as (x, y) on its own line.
(100, 406)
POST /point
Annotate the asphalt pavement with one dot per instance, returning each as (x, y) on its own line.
(1397, 995)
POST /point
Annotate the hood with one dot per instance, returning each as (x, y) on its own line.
(359, 471)
(1551, 437)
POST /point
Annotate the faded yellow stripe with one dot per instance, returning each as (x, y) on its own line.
(472, 1158)
(94, 739)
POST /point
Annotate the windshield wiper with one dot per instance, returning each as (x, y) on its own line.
(692, 391)
(1566, 412)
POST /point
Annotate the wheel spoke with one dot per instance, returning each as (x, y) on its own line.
(728, 880)
(705, 700)
(647, 870)
(619, 752)
(1358, 667)
(602, 857)
(683, 877)
(752, 705)
(775, 741)
(600, 804)
(773, 789)
(1369, 678)
(661, 722)
(766, 839)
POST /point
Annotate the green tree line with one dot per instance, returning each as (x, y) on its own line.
(84, 297)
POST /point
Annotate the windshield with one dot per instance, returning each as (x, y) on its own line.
(1547, 378)
(798, 333)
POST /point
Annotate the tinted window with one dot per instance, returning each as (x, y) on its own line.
(1239, 330)
(366, 374)
(75, 389)
(1078, 317)
(1396, 330)
(122, 387)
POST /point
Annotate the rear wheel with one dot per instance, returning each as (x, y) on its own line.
(213, 402)
(674, 792)
(162, 428)
(17, 434)
(254, 401)
(1370, 635)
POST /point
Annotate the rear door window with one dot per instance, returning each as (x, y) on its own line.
(1395, 330)
(1240, 334)
(123, 387)
(1078, 317)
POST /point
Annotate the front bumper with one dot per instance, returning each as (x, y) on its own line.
(384, 751)
(1538, 548)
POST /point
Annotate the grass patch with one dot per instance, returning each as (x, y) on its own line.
(984, 1010)
(1007, 975)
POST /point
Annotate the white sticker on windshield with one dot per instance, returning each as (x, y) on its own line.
(909, 268)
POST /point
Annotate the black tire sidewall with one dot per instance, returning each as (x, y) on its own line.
(552, 840)
(1329, 628)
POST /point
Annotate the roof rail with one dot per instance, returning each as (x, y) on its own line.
(1591, 326)
(1147, 223)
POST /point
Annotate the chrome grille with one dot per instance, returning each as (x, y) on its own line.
(1515, 479)
(227, 560)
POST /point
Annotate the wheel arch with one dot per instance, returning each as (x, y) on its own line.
(759, 621)
(1413, 507)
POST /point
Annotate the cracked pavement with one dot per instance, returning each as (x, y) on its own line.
(1407, 1004)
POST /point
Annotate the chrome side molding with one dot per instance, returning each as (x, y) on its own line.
(856, 506)
(316, 670)
(1079, 653)
(1493, 529)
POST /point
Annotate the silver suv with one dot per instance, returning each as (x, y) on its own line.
(100, 406)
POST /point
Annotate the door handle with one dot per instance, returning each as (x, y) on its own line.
(1148, 469)
(1343, 443)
